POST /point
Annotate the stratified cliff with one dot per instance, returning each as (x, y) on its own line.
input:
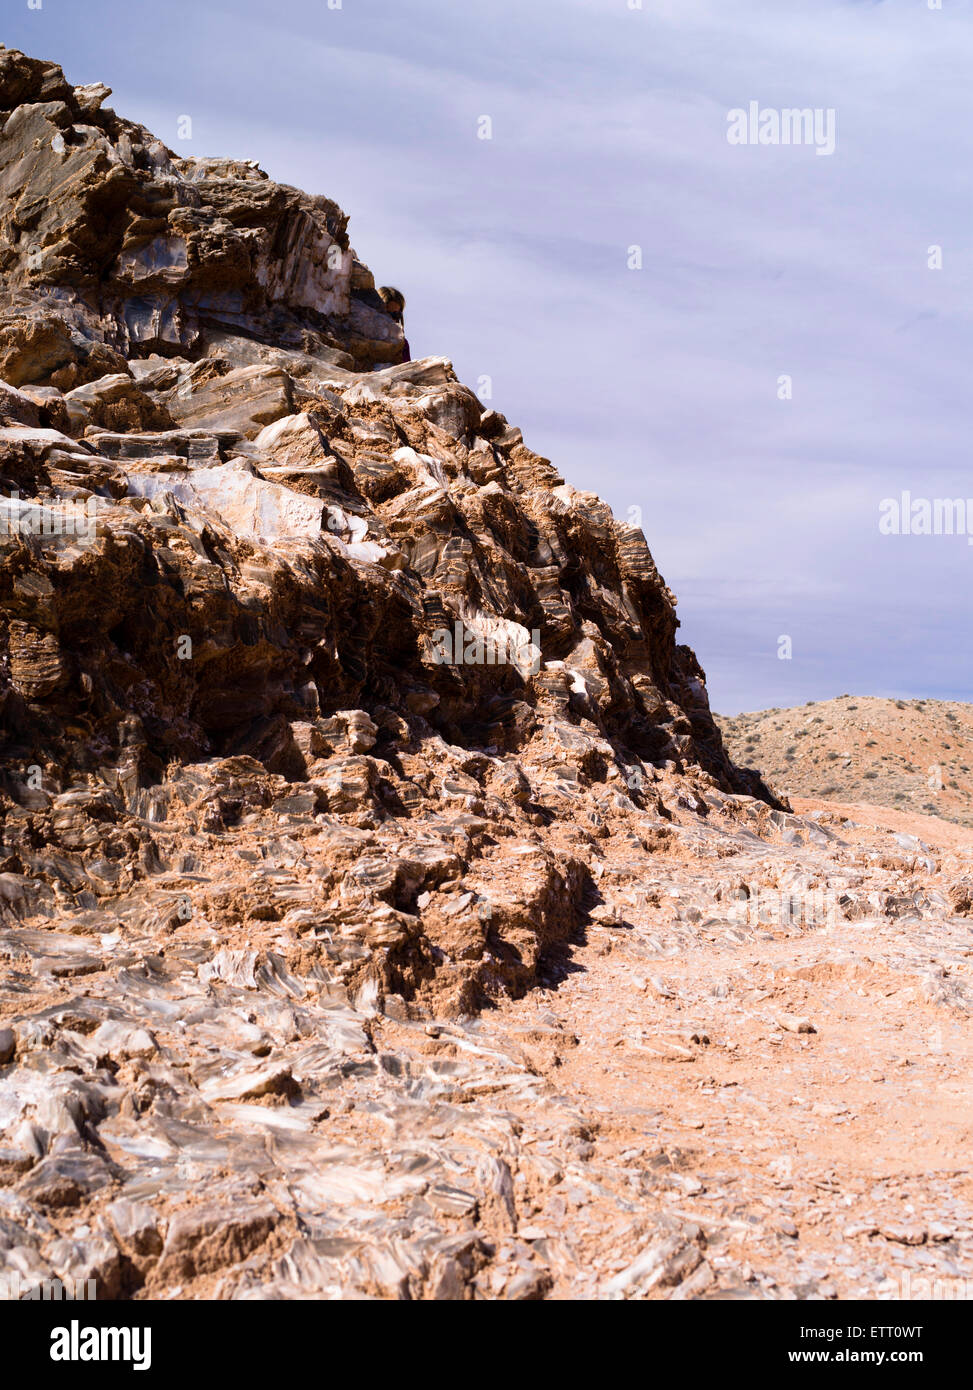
(113, 248)
(233, 513)
(322, 695)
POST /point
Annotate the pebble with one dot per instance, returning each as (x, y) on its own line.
(791, 1023)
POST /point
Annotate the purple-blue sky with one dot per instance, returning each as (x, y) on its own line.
(657, 388)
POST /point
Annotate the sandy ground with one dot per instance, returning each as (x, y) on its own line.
(929, 828)
(825, 1163)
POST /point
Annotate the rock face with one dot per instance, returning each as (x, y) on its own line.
(111, 247)
(333, 719)
(228, 527)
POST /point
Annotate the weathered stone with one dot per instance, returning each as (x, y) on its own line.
(37, 666)
(16, 408)
(114, 403)
(293, 439)
(234, 492)
(244, 400)
(207, 1238)
(120, 1042)
(94, 1262)
(137, 1228)
(65, 1179)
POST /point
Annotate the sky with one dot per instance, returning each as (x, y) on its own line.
(744, 348)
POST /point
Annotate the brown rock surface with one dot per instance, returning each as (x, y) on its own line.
(380, 914)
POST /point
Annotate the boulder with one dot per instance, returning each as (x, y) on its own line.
(244, 400)
(16, 408)
(250, 506)
(115, 403)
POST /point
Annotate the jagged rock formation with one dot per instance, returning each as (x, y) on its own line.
(331, 715)
(224, 541)
(112, 248)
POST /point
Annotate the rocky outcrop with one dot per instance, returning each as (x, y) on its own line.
(219, 530)
(315, 681)
(111, 247)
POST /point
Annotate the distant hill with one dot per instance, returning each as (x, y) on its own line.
(909, 754)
